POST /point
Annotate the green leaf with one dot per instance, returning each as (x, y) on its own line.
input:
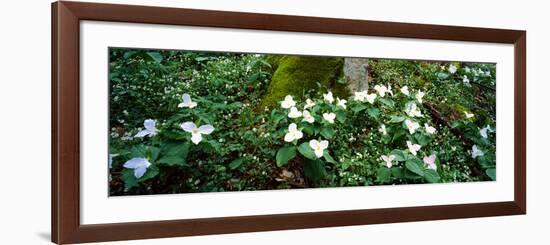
(399, 155)
(215, 145)
(152, 171)
(383, 174)
(358, 107)
(306, 151)
(398, 172)
(138, 151)
(415, 166)
(491, 172)
(172, 161)
(285, 154)
(373, 112)
(314, 169)
(396, 119)
(422, 139)
(128, 178)
(431, 176)
(387, 102)
(129, 54)
(341, 116)
(328, 157)
(236, 163)
(152, 153)
(156, 56)
(327, 132)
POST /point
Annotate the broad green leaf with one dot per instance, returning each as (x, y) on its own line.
(306, 151)
(431, 176)
(398, 172)
(156, 56)
(387, 102)
(422, 139)
(236, 163)
(383, 174)
(285, 154)
(215, 145)
(328, 157)
(491, 172)
(138, 151)
(415, 166)
(172, 161)
(399, 155)
(358, 107)
(373, 112)
(128, 178)
(341, 116)
(396, 119)
(152, 171)
(327, 132)
(152, 153)
(314, 169)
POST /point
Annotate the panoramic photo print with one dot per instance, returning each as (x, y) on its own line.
(193, 121)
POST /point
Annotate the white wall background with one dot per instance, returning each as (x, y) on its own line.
(25, 121)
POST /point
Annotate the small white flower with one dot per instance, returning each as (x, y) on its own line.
(381, 89)
(388, 160)
(329, 117)
(309, 103)
(382, 129)
(412, 126)
(139, 165)
(187, 102)
(452, 69)
(483, 131)
(150, 129)
(293, 133)
(318, 147)
(468, 115)
(466, 80)
(341, 102)
(308, 117)
(196, 133)
(487, 73)
(419, 96)
(413, 148)
(328, 97)
(467, 69)
(294, 112)
(288, 102)
(429, 129)
(430, 162)
(389, 90)
(412, 110)
(405, 90)
(476, 152)
(360, 96)
(370, 98)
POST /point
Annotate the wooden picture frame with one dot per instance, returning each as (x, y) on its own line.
(66, 226)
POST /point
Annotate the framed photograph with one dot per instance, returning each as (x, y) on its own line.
(177, 122)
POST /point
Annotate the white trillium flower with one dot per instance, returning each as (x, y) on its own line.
(465, 80)
(288, 102)
(360, 96)
(476, 152)
(388, 160)
(329, 117)
(150, 129)
(419, 96)
(294, 112)
(452, 69)
(139, 165)
(341, 102)
(483, 131)
(308, 117)
(196, 133)
(430, 162)
(413, 148)
(468, 115)
(187, 102)
(370, 98)
(381, 89)
(318, 147)
(309, 103)
(429, 129)
(412, 126)
(405, 90)
(412, 110)
(328, 97)
(382, 129)
(293, 133)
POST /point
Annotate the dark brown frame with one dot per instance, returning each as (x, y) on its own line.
(66, 227)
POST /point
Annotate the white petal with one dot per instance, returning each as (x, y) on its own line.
(142, 133)
(196, 138)
(206, 129)
(188, 126)
(318, 153)
(292, 127)
(324, 144)
(298, 135)
(313, 143)
(149, 124)
(289, 137)
(136, 162)
(186, 99)
(140, 171)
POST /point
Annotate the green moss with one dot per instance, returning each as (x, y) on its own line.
(296, 74)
